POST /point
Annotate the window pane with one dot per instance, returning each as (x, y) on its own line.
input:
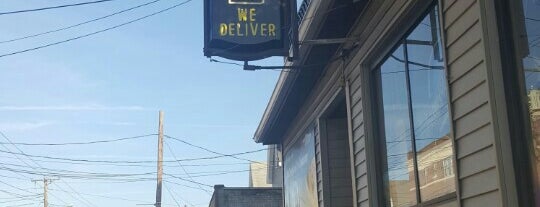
(430, 110)
(400, 183)
(418, 148)
(531, 65)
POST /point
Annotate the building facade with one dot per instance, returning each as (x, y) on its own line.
(258, 175)
(409, 103)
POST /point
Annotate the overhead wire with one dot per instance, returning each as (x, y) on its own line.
(172, 195)
(15, 187)
(184, 169)
(70, 174)
(29, 158)
(187, 180)
(54, 7)
(127, 161)
(184, 185)
(106, 196)
(209, 150)
(96, 32)
(108, 176)
(78, 24)
(26, 204)
(131, 165)
(80, 143)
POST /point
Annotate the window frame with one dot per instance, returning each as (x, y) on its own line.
(378, 117)
(510, 16)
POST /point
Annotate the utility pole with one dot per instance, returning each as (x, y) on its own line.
(160, 161)
(45, 189)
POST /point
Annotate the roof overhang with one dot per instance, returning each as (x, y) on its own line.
(326, 20)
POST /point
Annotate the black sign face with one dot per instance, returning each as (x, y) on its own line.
(246, 1)
(247, 29)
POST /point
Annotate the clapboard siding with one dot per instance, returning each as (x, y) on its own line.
(457, 10)
(466, 62)
(477, 162)
(337, 176)
(475, 98)
(478, 184)
(472, 122)
(359, 153)
(447, 4)
(475, 141)
(464, 85)
(481, 200)
(462, 23)
(470, 104)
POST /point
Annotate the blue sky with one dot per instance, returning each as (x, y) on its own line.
(111, 85)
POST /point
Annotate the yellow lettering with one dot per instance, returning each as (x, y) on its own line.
(231, 29)
(254, 28)
(223, 29)
(248, 29)
(238, 33)
(252, 13)
(242, 15)
(263, 30)
(272, 30)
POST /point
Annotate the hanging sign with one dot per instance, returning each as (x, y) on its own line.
(247, 29)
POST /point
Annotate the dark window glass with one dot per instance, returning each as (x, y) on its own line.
(531, 65)
(418, 146)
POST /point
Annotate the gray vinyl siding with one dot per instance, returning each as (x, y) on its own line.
(339, 167)
(478, 178)
(358, 139)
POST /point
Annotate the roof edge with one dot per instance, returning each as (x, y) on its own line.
(271, 107)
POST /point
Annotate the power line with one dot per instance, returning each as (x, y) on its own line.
(80, 143)
(133, 165)
(88, 175)
(183, 185)
(28, 157)
(15, 187)
(54, 7)
(26, 204)
(183, 179)
(209, 150)
(96, 32)
(184, 169)
(104, 196)
(78, 24)
(143, 161)
(172, 195)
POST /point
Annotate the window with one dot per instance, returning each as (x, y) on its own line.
(447, 167)
(415, 124)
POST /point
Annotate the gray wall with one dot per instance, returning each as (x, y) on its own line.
(472, 85)
(470, 101)
(337, 176)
